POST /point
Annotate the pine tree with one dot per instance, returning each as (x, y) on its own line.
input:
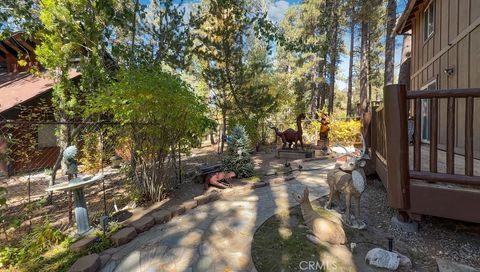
(237, 158)
(351, 56)
(370, 44)
(390, 42)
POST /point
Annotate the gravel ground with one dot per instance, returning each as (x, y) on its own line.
(436, 237)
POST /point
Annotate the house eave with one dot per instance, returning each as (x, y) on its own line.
(404, 23)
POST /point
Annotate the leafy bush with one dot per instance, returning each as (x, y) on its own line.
(160, 117)
(46, 249)
(237, 158)
(29, 253)
(344, 132)
(91, 158)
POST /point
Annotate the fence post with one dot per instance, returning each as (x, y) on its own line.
(398, 188)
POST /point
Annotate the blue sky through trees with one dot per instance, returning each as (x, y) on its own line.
(276, 12)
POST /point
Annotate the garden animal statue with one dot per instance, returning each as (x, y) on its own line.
(321, 228)
(324, 129)
(219, 179)
(350, 180)
(280, 134)
(290, 135)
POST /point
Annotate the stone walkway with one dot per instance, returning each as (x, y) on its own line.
(216, 236)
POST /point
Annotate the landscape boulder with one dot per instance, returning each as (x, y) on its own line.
(190, 204)
(202, 199)
(82, 244)
(144, 223)
(89, 263)
(124, 236)
(386, 259)
(162, 216)
(177, 210)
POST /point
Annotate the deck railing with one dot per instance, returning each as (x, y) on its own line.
(430, 198)
(451, 95)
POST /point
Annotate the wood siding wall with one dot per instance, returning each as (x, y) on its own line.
(455, 44)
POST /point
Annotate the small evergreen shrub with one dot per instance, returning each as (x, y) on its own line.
(237, 158)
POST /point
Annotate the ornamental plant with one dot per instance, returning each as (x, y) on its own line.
(237, 157)
(160, 117)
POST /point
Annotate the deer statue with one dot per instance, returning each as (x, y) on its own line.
(320, 228)
(349, 178)
(291, 136)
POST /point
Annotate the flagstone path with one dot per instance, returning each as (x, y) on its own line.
(216, 236)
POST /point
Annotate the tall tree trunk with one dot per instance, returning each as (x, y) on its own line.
(390, 42)
(333, 64)
(324, 85)
(224, 129)
(134, 29)
(314, 98)
(350, 64)
(363, 68)
(369, 65)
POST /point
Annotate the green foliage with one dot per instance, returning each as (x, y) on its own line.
(18, 14)
(235, 64)
(159, 114)
(31, 249)
(46, 249)
(166, 34)
(344, 132)
(237, 158)
(91, 153)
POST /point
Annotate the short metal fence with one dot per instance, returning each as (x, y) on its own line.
(31, 161)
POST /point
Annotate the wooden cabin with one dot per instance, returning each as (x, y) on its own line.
(425, 138)
(445, 54)
(25, 144)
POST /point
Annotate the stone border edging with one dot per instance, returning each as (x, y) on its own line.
(157, 217)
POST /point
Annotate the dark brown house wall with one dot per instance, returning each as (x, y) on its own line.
(41, 158)
(454, 44)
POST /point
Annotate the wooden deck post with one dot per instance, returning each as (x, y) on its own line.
(373, 137)
(397, 146)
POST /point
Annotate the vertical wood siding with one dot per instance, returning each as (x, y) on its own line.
(448, 49)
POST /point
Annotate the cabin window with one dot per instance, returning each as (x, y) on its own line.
(46, 136)
(429, 20)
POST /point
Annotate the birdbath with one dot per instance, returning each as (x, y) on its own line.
(76, 185)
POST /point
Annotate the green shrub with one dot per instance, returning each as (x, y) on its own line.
(160, 114)
(237, 158)
(29, 254)
(344, 132)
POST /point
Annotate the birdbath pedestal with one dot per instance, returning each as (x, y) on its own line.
(76, 185)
